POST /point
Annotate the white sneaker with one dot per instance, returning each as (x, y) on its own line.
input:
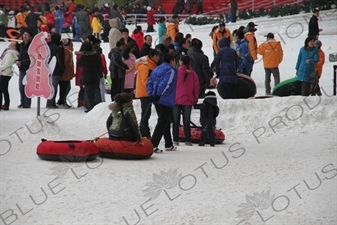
(188, 143)
(157, 150)
(176, 143)
(173, 148)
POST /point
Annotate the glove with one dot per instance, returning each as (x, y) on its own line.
(155, 98)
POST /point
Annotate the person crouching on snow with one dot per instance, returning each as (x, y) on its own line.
(209, 110)
(122, 122)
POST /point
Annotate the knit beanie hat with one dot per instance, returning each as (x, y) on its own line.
(210, 94)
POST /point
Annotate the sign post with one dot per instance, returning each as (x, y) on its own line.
(334, 79)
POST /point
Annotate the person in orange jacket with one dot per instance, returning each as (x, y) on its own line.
(219, 33)
(145, 69)
(173, 26)
(319, 67)
(252, 43)
(21, 22)
(272, 53)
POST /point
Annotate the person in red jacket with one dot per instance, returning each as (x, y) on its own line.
(138, 36)
(150, 19)
(68, 16)
(50, 20)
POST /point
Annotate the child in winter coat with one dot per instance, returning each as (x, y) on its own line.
(96, 25)
(208, 113)
(122, 122)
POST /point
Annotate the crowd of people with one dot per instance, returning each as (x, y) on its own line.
(172, 76)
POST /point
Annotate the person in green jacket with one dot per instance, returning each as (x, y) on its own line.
(122, 122)
(161, 29)
(3, 22)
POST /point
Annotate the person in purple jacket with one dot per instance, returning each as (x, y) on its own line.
(187, 92)
(229, 62)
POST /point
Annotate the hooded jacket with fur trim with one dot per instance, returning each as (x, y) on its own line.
(122, 122)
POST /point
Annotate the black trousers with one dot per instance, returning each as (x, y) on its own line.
(117, 87)
(163, 126)
(145, 104)
(90, 90)
(4, 81)
(64, 91)
(305, 88)
(207, 130)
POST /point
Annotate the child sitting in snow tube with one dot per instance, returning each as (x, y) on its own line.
(124, 136)
(122, 122)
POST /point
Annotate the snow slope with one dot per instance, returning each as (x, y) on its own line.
(278, 164)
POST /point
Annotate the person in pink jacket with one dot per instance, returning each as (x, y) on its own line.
(129, 59)
(187, 92)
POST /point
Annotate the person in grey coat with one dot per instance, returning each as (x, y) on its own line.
(83, 20)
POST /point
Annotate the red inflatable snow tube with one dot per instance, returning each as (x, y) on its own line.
(67, 151)
(119, 149)
(196, 134)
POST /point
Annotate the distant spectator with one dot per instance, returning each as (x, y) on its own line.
(150, 19)
(161, 29)
(138, 36)
(114, 33)
(313, 24)
(11, 19)
(59, 19)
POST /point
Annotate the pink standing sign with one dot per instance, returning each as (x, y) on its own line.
(38, 76)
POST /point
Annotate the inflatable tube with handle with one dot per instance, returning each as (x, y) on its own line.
(196, 134)
(245, 87)
(287, 88)
(67, 151)
(120, 149)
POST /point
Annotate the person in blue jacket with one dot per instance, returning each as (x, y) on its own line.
(161, 87)
(242, 49)
(229, 62)
(76, 28)
(307, 58)
(59, 20)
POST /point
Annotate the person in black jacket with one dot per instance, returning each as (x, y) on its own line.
(200, 64)
(117, 69)
(146, 46)
(23, 63)
(182, 49)
(91, 63)
(313, 25)
(31, 21)
(126, 39)
(57, 51)
(209, 110)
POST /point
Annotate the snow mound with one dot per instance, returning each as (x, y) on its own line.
(44, 127)
(247, 119)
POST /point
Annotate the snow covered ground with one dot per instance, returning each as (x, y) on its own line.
(278, 164)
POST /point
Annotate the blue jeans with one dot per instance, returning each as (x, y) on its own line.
(25, 101)
(185, 110)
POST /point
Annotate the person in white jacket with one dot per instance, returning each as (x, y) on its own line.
(114, 33)
(7, 60)
(11, 20)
